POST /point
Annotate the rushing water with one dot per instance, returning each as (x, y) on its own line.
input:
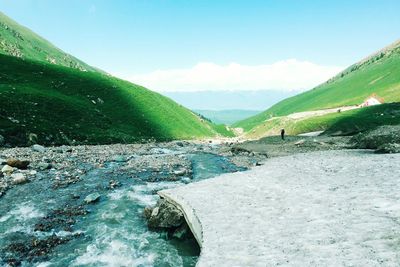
(112, 233)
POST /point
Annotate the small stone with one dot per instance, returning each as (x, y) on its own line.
(19, 178)
(186, 180)
(7, 169)
(38, 148)
(94, 197)
(113, 184)
(180, 172)
(119, 158)
(155, 211)
(300, 142)
(44, 166)
(19, 164)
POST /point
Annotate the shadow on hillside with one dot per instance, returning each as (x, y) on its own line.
(367, 118)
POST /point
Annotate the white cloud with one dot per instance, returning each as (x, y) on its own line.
(283, 75)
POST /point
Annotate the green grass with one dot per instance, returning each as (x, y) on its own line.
(61, 104)
(19, 41)
(344, 123)
(380, 74)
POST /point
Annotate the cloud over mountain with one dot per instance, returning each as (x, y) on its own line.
(286, 75)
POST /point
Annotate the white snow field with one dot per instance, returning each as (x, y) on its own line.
(331, 208)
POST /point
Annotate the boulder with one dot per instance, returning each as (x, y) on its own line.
(164, 215)
(19, 164)
(19, 178)
(38, 148)
(92, 198)
(7, 169)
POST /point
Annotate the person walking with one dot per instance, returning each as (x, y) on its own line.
(283, 134)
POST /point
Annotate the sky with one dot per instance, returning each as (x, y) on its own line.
(196, 45)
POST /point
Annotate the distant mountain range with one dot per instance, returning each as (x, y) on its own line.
(229, 100)
(50, 97)
(227, 117)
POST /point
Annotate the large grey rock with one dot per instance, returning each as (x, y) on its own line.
(19, 178)
(164, 215)
(38, 148)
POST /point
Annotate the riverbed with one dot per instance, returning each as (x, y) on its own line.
(83, 205)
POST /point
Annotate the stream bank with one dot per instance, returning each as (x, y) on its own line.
(84, 205)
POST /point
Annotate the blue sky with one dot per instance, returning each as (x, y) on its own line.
(135, 38)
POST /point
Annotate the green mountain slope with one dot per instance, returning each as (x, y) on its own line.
(18, 41)
(379, 73)
(60, 105)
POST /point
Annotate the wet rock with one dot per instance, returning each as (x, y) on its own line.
(388, 149)
(164, 215)
(120, 158)
(44, 166)
(180, 172)
(60, 219)
(19, 178)
(186, 180)
(239, 150)
(34, 249)
(182, 232)
(7, 169)
(92, 198)
(19, 164)
(38, 148)
(113, 184)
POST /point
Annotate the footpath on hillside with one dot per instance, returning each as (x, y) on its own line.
(325, 208)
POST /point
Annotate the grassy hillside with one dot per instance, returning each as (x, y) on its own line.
(379, 73)
(344, 123)
(60, 105)
(18, 41)
(228, 117)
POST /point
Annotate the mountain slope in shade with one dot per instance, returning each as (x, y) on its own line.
(377, 74)
(19, 41)
(50, 97)
(61, 105)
